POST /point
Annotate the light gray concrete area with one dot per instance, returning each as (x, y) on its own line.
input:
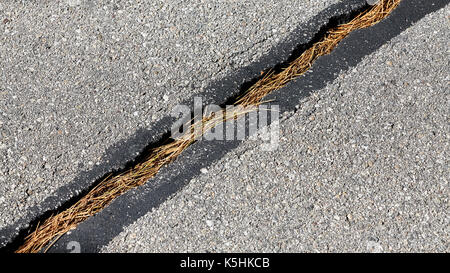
(362, 166)
(78, 76)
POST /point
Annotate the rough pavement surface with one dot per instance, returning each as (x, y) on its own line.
(78, 76)
(362, 166)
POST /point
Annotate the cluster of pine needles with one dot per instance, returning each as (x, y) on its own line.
(111, 187)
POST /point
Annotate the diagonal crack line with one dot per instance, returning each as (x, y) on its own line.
(116, 184)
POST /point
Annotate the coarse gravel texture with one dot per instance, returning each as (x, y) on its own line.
(362, 167)
(78, 76)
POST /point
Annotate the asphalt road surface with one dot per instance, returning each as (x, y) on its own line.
(362, 162)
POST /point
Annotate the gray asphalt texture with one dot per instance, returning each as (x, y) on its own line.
(362, 167)
(79, 76)
(362, 164)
